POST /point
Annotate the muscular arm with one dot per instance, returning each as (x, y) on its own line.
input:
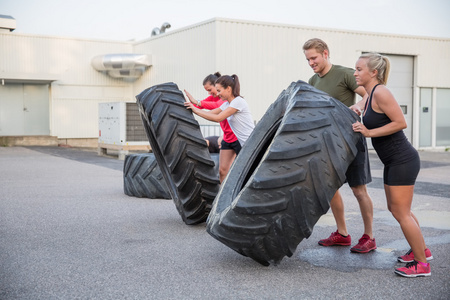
(384, 102)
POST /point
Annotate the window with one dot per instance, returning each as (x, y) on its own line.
(425, 113)
(442, 117)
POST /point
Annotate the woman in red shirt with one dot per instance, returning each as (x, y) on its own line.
(229, 144)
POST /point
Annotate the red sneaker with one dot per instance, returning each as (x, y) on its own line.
(414, 269)
(336, 239)
(409, 256)
(365, 244)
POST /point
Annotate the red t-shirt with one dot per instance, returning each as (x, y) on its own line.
(213, 103)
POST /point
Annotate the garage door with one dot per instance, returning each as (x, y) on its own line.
(24, 109)
(400, 83)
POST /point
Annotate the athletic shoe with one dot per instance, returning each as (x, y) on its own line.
(336, 239)
(414, 269)
(365, 244)
(409, 256)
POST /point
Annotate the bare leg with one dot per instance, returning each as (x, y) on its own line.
(226, 158)
(399, 199)
(337, 207)
(417, 221)
(366, 207)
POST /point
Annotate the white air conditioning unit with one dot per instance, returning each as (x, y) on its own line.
(121, 128)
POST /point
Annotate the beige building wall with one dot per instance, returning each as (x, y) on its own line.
(76, 88)
(267, 57)
(184, 56)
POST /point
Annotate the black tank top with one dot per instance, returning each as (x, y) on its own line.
(392, 149)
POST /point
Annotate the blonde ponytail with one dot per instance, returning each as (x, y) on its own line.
(380, 63)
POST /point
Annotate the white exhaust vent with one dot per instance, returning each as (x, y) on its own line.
(122, 65)
(7, 23)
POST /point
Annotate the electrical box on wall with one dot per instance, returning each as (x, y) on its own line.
(121, 128)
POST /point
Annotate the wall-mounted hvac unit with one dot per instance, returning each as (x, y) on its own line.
(120, 128)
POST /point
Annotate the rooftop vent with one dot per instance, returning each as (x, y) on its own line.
(161, 30)
(7, 23)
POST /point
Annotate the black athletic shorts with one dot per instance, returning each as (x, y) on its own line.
(403, 174)
(236, 146)
(358, 173)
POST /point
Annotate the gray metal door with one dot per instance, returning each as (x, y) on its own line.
(24, 109)
(401, 83)
(36, 109)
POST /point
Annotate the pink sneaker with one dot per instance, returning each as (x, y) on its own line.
(336, 239)
(414, 269)
(365, 244)
(409, 256)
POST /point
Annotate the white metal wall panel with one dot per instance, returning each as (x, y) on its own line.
(77, 117)
(68, 60)
(78, 87)
(184, 57)
(343, 44)
(266, 56)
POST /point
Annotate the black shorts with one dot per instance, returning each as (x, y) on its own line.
(358, 173)
(403, 174)
(236, 146)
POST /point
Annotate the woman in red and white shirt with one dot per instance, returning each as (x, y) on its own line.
(228, 149)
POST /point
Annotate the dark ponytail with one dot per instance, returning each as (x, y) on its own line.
(232, 81)
(211, 78)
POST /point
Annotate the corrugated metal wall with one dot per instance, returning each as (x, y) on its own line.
(185, 57)
(78, 87)
(267, 57)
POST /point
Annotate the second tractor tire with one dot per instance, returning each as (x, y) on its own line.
(283, 179)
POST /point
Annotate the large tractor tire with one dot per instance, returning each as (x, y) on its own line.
(180, 150)
(142, 176)
(285, 175)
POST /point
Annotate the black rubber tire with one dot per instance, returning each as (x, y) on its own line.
(285, 175)
(180, 150)
(142, 176)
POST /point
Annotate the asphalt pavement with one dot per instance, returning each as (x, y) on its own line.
(68, 231)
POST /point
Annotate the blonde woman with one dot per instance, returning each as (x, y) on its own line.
(384, 123)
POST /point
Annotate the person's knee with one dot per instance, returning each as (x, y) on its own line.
(360, 192)
(223, 171)
(399, 214)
